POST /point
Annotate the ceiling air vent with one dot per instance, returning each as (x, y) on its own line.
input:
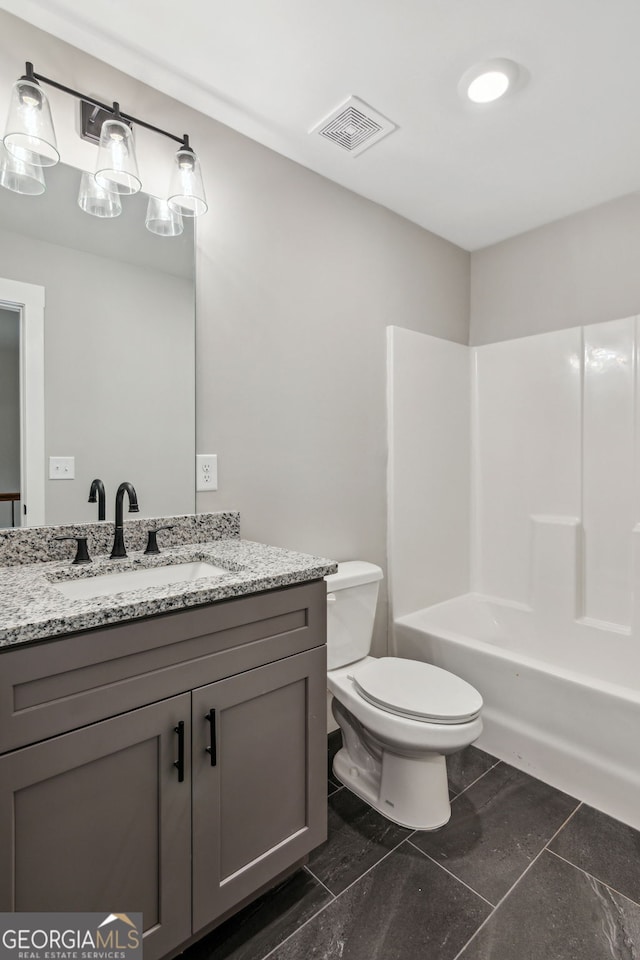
(354, 126)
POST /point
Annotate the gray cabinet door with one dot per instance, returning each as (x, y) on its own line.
(97, 820)
(259, 803)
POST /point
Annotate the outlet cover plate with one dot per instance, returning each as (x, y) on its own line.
(206, 472)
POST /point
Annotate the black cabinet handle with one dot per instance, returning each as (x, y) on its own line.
(179, 763)
(211, 717)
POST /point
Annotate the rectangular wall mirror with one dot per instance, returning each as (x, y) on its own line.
(105, 378)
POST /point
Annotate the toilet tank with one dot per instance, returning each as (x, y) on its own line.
(352, 594)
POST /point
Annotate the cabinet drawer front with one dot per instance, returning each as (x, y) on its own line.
(59, 685)
(98, 819)
(259, 771)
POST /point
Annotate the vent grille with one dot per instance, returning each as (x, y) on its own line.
(354, 126)
(350, 129)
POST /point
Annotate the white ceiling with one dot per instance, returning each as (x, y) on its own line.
(567, 140)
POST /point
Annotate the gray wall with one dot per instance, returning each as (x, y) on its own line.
(296, 280)
(579, 270)
(9, 411)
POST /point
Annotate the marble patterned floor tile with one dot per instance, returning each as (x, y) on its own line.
(557, 912)
(497, 827)
(406, 908)
(465, 766)
(332, 786)
(604, 847)
(358, 837)
(262, 925)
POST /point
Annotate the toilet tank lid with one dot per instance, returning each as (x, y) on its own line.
(351, 573)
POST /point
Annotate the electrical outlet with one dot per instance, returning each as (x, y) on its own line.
(206, 471)
(62, 468)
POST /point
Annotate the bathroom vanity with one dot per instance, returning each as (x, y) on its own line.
(172, 764)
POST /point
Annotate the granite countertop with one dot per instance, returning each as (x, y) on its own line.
(31, 608)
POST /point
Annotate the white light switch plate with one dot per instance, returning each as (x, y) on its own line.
(206, 472)
(62, 468)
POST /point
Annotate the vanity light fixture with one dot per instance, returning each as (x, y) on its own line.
(30, 145)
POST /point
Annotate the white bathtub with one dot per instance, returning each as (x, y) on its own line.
(561, 704)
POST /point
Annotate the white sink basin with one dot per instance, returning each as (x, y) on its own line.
(109, 583)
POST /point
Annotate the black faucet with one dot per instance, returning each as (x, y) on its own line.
(118, 540)
(97, 487)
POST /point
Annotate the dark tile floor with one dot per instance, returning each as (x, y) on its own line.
(520, 872)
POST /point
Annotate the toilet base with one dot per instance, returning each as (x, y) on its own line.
(411, 791)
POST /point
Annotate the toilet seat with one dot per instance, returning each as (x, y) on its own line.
(416, 690)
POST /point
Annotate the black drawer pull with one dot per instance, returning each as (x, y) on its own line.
(179, 763)
(211, 717)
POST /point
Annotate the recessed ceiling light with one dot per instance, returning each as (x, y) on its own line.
(488, 86)
(489, 81)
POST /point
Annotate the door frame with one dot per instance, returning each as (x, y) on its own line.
(30, 299)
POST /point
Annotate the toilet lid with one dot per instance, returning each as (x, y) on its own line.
(417, 690)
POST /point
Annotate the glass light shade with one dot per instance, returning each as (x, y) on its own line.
(117, 167)
(95, 200)
(186, 190)
(29, 133)
(20, 176)
(161, 219)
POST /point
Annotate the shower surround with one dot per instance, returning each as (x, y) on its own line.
(514, 486)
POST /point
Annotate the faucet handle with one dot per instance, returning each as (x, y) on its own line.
(82, 552)
(152, 541)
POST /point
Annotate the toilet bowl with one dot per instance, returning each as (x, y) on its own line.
(399, 718)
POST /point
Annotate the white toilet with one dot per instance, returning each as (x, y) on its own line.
(399, 718)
